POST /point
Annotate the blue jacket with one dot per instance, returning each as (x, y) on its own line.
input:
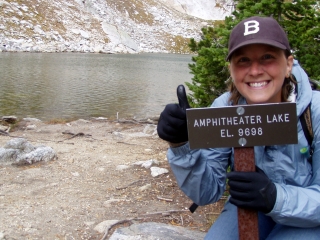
(201, 173)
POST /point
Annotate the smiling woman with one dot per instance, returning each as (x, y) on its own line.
(281, 189)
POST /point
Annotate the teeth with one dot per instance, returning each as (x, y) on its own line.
(258, 84)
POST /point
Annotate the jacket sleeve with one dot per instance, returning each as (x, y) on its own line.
(299, 206)
(201, 173)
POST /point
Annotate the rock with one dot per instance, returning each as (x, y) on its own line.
(31, 127)
(20, 144)
(10, 119)
(31, 119)
(84, 34)
(19, 151)
(155, 231)
(41, 153)
(101, 119)
(156, 171)
(75, 31)
(37, 29)
(7, 155)
(150, 163)
(147, 164)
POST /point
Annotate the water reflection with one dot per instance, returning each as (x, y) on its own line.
(73, 85)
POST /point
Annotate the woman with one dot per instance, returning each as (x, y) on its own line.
(285, 189)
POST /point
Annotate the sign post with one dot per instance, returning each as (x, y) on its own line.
(243, 127)
(247, 219)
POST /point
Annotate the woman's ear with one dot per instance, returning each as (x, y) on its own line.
(289, 65)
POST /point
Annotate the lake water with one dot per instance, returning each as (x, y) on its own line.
(76, 85)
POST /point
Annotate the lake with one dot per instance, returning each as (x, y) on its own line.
(77, 85)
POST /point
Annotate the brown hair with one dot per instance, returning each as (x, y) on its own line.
(287, 87)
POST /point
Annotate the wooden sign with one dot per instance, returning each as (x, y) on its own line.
(242, 126)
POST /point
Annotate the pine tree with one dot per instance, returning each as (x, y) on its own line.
(302, 24)
(300, 19)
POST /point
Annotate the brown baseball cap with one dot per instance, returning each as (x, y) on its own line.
(263, 30)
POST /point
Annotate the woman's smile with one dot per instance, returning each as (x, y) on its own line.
(258, 84)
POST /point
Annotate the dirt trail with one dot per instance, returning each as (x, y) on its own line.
(86, 184)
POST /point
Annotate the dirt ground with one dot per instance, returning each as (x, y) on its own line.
(66, 198)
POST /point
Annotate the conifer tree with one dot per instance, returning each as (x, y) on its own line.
(299, 18)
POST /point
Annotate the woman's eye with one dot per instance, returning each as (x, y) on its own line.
(267, 56)
(243, 59)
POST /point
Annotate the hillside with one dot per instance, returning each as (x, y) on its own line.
(105, 26)
(209, 10)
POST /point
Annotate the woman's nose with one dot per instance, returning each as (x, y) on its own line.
(255, 68)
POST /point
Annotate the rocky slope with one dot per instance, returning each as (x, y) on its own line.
(105, 26)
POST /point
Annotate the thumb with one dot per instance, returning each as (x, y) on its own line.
(182, 97)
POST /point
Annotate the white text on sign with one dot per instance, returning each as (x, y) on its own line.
(242, 120)
(225, 121)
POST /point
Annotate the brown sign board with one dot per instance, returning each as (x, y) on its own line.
(242, 125)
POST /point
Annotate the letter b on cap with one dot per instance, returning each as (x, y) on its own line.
(251, 27)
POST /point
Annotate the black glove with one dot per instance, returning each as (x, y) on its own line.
(172, 125)
(252, 190)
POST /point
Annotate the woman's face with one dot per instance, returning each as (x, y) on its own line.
(258, 72)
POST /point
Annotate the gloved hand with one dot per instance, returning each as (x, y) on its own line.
(252, 190)
(172, 125)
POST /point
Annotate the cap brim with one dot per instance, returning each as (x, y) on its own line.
(257, 41)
